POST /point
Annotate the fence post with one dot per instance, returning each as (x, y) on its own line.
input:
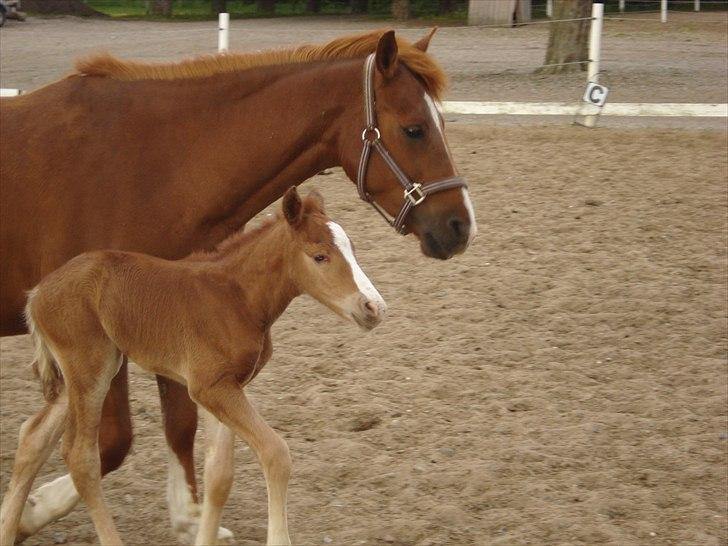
(222, 32)
(595, 41)
(621, 6)
(697, 5)
(595, 46)
(549, 8)
(663, 11)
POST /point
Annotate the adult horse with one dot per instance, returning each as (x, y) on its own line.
(170, 158)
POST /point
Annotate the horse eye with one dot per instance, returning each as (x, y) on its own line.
(413, 131)
(320, 258)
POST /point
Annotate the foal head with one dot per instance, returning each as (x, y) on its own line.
(322, 262)
(406, 85)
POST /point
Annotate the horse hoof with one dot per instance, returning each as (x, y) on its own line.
(186, 532)
(225, 536)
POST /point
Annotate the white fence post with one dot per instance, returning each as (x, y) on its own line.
(549, 8)
(697, 5)
(621, 6)
(223, 32)
(595, 46)
(595, 41)
(663, 11)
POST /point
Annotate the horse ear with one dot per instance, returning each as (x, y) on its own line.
(292, 206)
(386, 56)
(316, 199)
(423, 43)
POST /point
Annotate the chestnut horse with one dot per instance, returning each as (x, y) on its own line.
(203, 321)
(170, 158)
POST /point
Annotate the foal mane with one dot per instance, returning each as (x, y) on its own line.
(347, 47)
(234, 241)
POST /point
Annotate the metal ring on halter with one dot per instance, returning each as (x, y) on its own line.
(365, 133)
(415, 189)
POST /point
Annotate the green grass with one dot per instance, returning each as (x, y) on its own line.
(200, 9)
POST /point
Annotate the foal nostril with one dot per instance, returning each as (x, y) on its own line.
(370, 307)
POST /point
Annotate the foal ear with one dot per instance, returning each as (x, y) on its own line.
(292, 206)
(423, 43)
(316, 199)
(386, 56)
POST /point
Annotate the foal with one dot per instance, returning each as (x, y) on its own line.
(203, 321)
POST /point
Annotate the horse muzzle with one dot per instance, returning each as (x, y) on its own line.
(446, 239)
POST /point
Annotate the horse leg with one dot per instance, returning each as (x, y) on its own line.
(180, 426)
(87, 386)
(219, 467)
(226, 400)
(55, 499)
(38, 436)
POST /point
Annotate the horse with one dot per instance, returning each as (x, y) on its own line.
(166, 159)
(203, 322)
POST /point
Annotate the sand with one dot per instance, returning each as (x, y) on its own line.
(563, 382)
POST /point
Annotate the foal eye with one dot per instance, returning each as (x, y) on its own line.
(414, 132)
(320, 258)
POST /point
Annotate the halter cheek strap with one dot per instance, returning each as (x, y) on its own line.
(414, 192)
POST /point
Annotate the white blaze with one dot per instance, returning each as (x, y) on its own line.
(434, 111)
(471, 216)
(363, 283)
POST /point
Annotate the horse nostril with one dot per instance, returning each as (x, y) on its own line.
(457, 225)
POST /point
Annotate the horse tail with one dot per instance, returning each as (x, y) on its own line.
(45, 365)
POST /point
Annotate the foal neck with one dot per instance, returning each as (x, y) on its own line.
(258, 262)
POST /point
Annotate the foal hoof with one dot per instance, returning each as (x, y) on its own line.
(186, 531)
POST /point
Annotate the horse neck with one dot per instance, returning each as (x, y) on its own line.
(273, 127)
(259, 263)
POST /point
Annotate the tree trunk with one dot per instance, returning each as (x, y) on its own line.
(401, 9)
(499, 12)
(266, 7)
(159, 7)
(569, 41)
(219, 6)
(313, 6)
(359, 6)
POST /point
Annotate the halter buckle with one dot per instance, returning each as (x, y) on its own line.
(366, 134)
(415, 194)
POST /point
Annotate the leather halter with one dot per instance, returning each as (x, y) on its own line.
(414, 192)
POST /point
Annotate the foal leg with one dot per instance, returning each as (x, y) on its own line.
(227, 401)
(219, 467)
(180, 426)
(55, 499)
(38, 436)
(88, 378)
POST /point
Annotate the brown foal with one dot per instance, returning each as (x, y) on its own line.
(167, 159)
(204, 322)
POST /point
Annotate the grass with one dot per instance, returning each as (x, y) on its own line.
(200, 9)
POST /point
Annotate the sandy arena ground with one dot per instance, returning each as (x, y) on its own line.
(563, 382)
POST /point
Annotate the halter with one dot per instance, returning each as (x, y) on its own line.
(414, 192)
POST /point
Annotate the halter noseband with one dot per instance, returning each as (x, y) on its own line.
(414, 192)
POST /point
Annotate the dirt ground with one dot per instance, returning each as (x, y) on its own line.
(563, 382)
(643, 60)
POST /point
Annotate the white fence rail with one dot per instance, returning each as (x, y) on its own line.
(641, 109)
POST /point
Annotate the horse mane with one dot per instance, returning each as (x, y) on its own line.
(347, 47)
